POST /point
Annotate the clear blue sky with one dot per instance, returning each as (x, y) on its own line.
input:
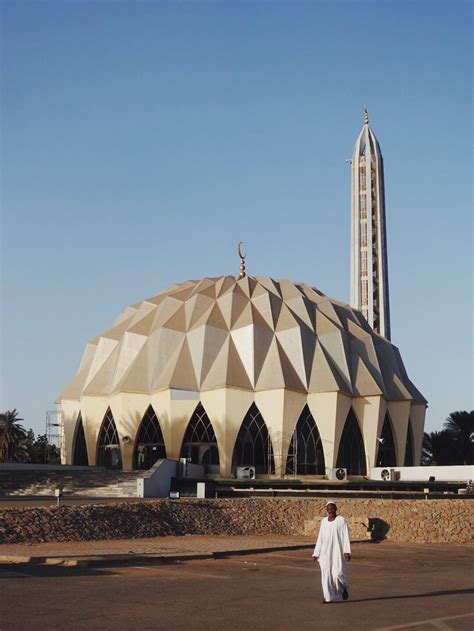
(142, 140)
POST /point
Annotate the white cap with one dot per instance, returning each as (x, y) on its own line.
(331, 502)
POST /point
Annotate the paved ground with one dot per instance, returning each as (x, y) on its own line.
(154, 549)
(393, 586)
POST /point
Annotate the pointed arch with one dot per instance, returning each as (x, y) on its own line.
(253, 446)
(351, 454)
(200, 443)
(149, 444)
(108, 445)
(80, 456)
(408, 462)
(386, 448)
(305, 454)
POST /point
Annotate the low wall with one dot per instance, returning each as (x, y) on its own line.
(156, 482)
(448, 473)
(420, 521)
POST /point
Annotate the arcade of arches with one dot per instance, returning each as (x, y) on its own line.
(252, 447)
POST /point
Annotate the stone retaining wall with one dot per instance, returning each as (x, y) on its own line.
(420, 521)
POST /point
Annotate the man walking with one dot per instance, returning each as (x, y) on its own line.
(333, 550)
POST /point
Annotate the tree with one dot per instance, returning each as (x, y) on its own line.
(39, 451)
(454, 444)
(12, 438)
(29, 443)
(461, 425)
(42, 452)
(437, 448)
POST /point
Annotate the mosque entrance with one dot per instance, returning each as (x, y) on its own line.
(111, 458)
(149, 445)
(253, 446)
(305, 454)
(200, 443)
(351, 453)
(386, 455)
(108, 449)
(80, 447)
(147, 454)
(409, 447)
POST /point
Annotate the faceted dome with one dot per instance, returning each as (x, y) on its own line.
(253, 333)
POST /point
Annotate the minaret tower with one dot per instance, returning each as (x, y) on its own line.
(369, 274)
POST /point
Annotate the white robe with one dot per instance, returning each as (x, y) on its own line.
(332, 543)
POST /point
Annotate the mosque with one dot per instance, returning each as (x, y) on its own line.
(234, 372)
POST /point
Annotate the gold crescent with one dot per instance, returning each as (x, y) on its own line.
(239, 251)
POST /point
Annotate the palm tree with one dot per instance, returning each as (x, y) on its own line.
(12, 438)
(461, 424)
(439, 448)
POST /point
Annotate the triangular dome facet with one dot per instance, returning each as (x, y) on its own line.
(254, 333)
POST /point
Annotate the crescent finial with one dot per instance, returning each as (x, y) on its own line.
(242, 260)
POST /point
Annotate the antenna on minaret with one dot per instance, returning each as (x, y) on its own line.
(366, 115)
(242, 273)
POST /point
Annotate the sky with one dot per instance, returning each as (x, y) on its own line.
(141, 141)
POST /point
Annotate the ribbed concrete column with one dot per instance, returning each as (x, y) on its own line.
(330, 411)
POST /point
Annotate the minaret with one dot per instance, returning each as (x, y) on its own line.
(369, 274)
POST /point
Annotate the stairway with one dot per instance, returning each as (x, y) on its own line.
(92, 482)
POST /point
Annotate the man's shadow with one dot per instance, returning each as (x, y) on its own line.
(378, 529)
(404, 596)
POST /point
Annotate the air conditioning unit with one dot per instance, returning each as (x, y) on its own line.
(336, 474)
(245, 473)
(390, 475)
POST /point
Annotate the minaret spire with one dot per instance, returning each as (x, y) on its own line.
(242, 272)
(369, 274)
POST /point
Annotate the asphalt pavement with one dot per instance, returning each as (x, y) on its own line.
(151, 550)
(392, 586)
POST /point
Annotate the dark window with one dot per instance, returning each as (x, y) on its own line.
(253, 447)
(199, 442)
(386, 454)
(351, 453)
(149, 445)
(108, 449)
(305, 455)
(80, 447)
(409, 447)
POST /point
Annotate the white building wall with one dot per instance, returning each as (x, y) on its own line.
(451, 473)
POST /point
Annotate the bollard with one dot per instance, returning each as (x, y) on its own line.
(57, 493)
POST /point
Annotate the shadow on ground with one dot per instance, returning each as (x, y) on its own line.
(451, 592)
(24, 571)
(378, 529)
